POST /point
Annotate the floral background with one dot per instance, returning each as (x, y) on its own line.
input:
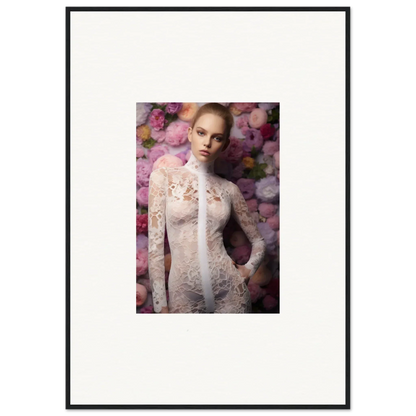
(251, 162)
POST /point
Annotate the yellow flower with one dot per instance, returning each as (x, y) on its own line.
(143, 132)
(234, 110)
(248, 162)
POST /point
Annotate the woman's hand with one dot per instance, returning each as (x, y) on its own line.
(165, 309)
(244, 272)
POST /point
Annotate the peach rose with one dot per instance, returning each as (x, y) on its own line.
(167, 161)
(141, 294)
(257, 118)
(188, 111)
(276, 158)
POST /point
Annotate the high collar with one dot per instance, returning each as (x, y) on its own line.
(200, 167)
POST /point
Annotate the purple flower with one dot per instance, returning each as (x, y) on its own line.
(143, 171)
(246, 186)
(267, 233)
(173, 108)
(157, 151)
(141, 241)
(238, 171)
(142, 111)
(267, 189)
(147, 309)
(267, 106)
(253, 138)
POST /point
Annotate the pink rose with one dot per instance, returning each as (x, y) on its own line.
(158, 135)
(139, 152)
(267, 210)
(157, 119)
(143, 171)
(270, 148)
(141, 261)
(245, 107)
(242, 121)
(141, 223)
(167, 161)
(258, 117)
(142, 196)
(273, 222)
(244, 130)
(187, 111)
(145, 282)
(141, 294)
(157, 151)
(177, 133)
(252, 205)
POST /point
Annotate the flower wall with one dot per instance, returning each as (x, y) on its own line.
(251, 161)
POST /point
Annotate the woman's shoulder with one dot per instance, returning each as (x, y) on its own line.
(226, 184)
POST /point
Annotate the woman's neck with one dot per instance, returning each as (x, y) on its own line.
(200, 167)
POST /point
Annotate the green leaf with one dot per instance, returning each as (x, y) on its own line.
(148, 144)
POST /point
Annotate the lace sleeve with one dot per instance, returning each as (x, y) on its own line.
(156, 237)
(242, 215)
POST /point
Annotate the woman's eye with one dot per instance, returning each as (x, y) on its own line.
(219, 139)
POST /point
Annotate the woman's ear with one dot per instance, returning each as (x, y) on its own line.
(190, 134)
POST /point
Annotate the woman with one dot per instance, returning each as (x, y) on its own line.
(195, 204)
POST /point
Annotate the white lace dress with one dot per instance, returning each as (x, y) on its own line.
(195, 204)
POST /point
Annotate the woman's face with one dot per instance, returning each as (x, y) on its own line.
(208, 136)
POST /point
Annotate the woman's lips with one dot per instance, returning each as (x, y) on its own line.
(204, 152)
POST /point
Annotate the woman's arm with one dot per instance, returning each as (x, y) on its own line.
(156, 235)
(242, 215)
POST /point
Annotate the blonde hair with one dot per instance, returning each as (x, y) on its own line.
(218, 110)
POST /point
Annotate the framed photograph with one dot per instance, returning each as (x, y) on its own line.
(181, 291)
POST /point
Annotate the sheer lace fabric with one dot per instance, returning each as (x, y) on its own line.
(195, 204)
